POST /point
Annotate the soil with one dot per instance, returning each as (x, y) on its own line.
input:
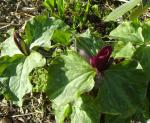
(14, 13)
(36, 107)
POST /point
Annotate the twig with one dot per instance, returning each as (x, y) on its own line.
(3, 27)
(4, 23)
(21, 115)
(7, 25)
(29, 9)
(24, 13)
(25, 2)
(18, 6)
(123, 1)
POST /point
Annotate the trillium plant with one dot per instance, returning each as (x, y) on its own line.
(123, 61)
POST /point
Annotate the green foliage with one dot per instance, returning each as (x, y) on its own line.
(49, 4)
(121, 10)
(123, 50)
(52, 4)
(76, 77)
(8, 47)
(41, 30)
(128, 6)
(74, 12)
(89, 43)
(19, 83)
(143, 56)
(140, 9)
(39, 78)
(83, 110)
(146, 30)
(128, 31)
(55, 66)
(124, 87)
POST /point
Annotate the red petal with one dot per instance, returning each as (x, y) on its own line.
(100, 60)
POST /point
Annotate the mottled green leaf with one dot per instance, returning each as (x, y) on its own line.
(123, 50)
(8, 47)
(8, 64)
(121, 10)
(123, 89)
(19, 84)
(69, 77)
(87, 42)
(142, 54)
(128, 32)
(39, 30)
(116, 119)
(62, 37)
(61, 113)
(84, 111)
(3, 85)
(146, 31)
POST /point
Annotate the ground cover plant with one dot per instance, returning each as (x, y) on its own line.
(92, 64)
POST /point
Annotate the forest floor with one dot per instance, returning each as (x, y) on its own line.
(36, 107)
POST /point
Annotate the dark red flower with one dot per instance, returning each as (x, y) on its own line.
(100, 61)
(22, 46)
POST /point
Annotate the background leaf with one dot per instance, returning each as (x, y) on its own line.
(8, 47)
(19, 84)
(62, 37)
(116, 119)
(128, 32)
(138, 11)
(39, 31)
(121, 10)
(49, 4)
(60, 6)
(123, 50)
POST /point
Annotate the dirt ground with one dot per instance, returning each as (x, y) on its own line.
(36, 107)
(14, 13)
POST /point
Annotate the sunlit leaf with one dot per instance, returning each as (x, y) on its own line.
(39, 31)
(128, 32)
(60, 5)
(122, 50)
(75, 78)
(8, 47)
(49, 4)
(121, 10)
(19, 84)
(62, 37)
(85, 111)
